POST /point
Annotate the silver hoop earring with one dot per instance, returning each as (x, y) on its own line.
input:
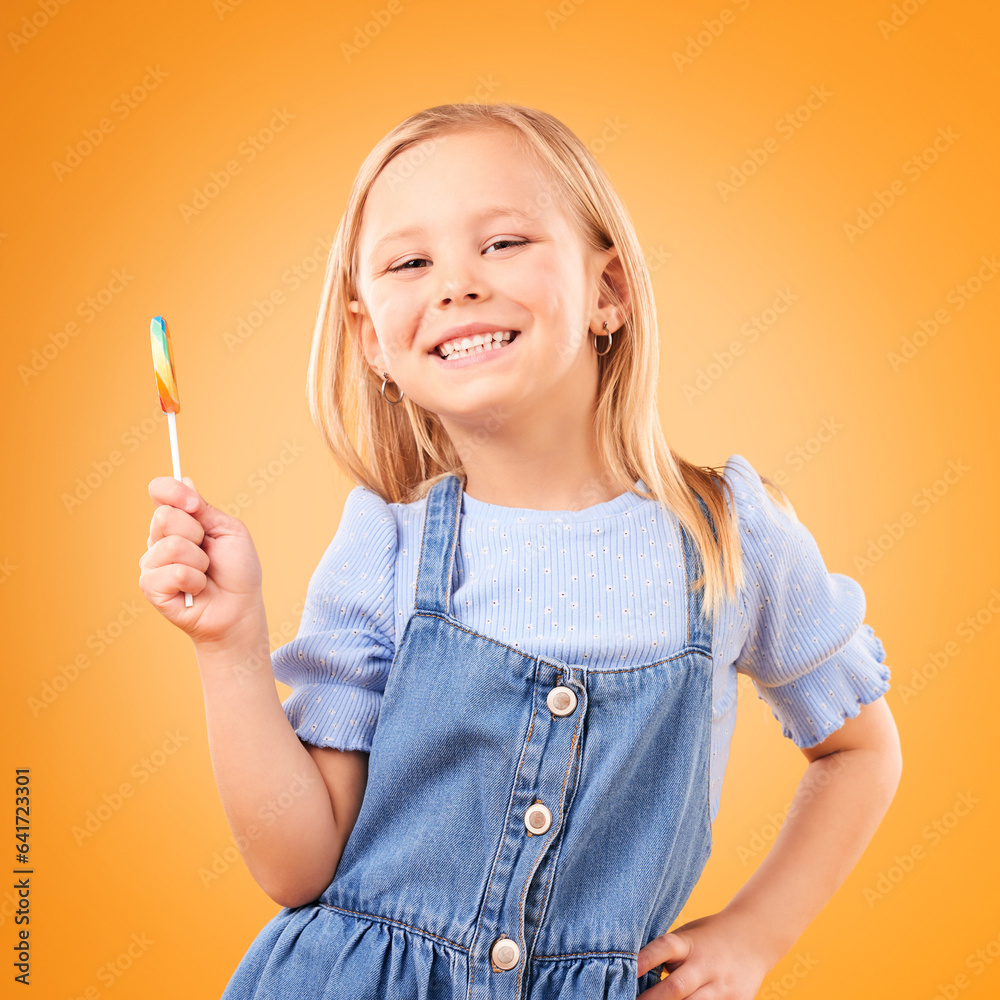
(607, 333)
(385, 378)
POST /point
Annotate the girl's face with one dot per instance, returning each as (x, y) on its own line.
(462, 229)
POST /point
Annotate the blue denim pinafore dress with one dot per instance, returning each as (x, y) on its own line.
(528, 824)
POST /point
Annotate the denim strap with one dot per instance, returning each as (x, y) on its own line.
(699, 628)
(437, 545)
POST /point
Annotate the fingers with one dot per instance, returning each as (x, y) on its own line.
(665, 948)
(177, 493)
(174, 565)
(175, 549)
(182, 495)
(174, 562)
(167, 520)
(673, 989)
(163, 584)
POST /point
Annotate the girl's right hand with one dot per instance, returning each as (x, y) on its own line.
(198, 549)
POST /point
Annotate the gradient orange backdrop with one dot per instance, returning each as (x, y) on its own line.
(747, 145)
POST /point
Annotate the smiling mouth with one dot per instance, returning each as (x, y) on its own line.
(476, 344)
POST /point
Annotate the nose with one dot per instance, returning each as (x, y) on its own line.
(451, 292)
(458, 282)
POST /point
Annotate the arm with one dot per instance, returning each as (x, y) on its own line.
(291, 806)
(846, 790)
(850, 781)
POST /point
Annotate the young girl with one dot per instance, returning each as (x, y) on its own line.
(514, 683)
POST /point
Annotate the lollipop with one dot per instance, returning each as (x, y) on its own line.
(166, 386)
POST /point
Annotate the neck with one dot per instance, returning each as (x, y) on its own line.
(532, 463)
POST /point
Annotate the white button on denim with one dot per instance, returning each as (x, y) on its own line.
(441, 844)
(561, 700)
(537, 819)
(505, 954)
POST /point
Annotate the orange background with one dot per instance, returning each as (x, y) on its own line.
(819, 379)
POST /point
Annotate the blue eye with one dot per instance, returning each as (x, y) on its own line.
(414, 260)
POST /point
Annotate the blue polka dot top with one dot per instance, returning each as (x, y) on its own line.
(603, 586)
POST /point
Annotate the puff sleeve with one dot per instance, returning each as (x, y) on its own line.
(338, 662)
(810, 655)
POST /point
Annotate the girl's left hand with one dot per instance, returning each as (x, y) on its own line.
(708, 957)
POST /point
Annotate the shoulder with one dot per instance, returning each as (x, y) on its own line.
(363, 548)
(364, 509)
(777, 549)
(756, 497)
(367, 523)
(338, 661)
(350, 594)
(783, 568)
(787, 586)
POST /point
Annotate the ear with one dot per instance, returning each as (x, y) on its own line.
(362, 328)
(615, 309)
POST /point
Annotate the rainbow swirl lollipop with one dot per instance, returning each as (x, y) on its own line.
(163, 365)
(166, 386)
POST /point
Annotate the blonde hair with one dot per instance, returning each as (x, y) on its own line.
(400, 451)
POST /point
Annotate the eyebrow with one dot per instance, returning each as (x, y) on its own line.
(487, 215)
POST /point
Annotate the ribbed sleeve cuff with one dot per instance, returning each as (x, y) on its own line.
(818, 703)
(341, 716)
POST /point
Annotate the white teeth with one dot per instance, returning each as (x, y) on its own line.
(476, 343)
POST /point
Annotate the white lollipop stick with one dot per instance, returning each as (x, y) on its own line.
(175, 457)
